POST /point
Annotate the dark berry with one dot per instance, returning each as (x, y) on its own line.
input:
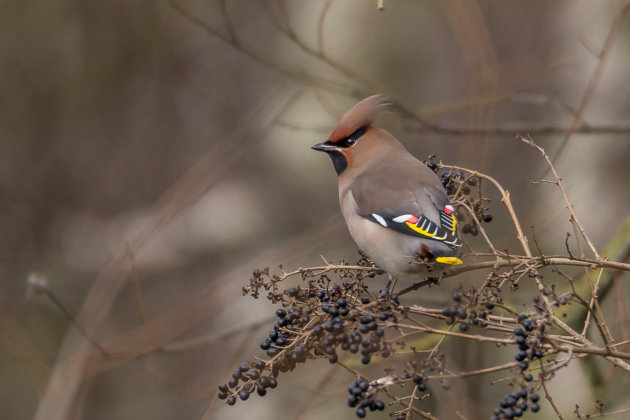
(449, 311)
(534, 397)
(365, 359)
(417, 379)
(487, 217)
(519, 331)
(292, 291)
(352, 401)
(432, 165)
(222, 395)
(342, 302)
(365, 300)
(262, 391)
(231, 400)
(243, 395)
(366, 402)
(524, 365)
(462, 313)
(333, 358)
(535, 408)
(273, 382)
(528, 377)
(383, 316)
(422, 387)
(520, 356)
(379, 405)
(360, 412)
(223, 388)
(363, 385)
(243, 367)
(463, 326)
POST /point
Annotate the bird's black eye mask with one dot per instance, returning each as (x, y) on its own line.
(349, 141)
(334, 149)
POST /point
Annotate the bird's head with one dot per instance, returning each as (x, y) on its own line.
(354, 140)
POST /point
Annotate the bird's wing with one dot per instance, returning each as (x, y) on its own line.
(409, 199)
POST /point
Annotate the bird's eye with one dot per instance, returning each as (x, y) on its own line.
(349, 141)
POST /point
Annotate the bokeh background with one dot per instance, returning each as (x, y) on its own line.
(153, 153)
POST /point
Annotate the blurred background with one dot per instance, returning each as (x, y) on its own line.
(153, 153)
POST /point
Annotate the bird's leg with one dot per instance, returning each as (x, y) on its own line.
(385, 292)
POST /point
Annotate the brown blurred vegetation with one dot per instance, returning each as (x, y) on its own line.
(148, 165)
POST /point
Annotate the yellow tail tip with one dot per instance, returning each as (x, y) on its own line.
(449, 260)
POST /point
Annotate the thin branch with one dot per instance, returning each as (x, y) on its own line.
(595, 76)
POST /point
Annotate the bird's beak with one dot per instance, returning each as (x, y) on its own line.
(323, 147)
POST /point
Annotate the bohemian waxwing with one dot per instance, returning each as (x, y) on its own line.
(395, 207)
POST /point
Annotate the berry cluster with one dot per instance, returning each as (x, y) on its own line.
(251, 376)
(529, 344)
(341, 331)
(515, 404)
(316, 321)
(283, 332)
(458, 184)
(459, 312)
(363, 396)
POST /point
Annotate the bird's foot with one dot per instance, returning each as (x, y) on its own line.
(383, 294)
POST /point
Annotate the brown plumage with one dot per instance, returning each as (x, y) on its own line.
(362, 114)
(395, 206)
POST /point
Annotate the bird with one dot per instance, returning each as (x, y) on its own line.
(395, 207)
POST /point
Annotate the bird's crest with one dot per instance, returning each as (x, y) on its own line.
(362, 114)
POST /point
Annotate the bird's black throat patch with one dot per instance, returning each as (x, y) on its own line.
(339, 160)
